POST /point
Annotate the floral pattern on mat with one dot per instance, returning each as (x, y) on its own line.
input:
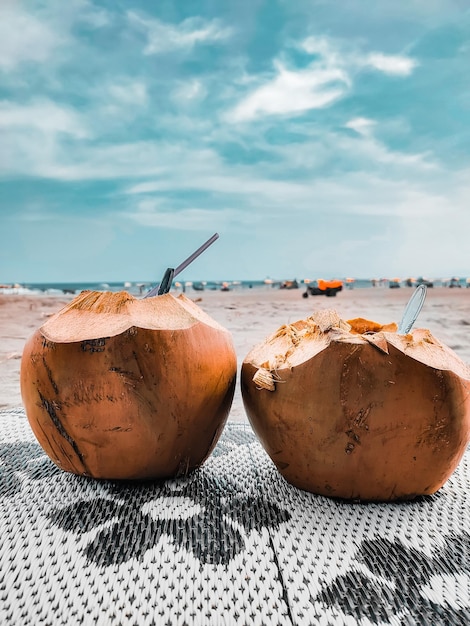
(392, 583)
(212, 533)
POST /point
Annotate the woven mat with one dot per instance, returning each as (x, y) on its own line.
(231, 544)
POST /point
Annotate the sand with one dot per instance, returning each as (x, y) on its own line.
(250, 315)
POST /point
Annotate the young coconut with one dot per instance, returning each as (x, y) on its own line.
(122, 388)
(355, 410)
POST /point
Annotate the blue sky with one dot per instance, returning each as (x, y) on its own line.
(317, 138)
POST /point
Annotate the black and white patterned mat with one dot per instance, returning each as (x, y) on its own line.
(231, 544)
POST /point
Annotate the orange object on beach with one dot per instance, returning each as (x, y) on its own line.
(322, 287)
(329, 284)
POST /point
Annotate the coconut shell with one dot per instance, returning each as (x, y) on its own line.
(349, 410)
(122, 388)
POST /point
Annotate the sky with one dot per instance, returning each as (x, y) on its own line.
(318, 138)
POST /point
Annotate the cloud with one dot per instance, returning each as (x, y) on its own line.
(326, 79)
(362, 125)
(366, 221)
(348, 56)
(372, 153)
(24, 38)
(152, 213)
(87, 160)
(391, 64)
(128, 92)
(42, 115)
(37, 36)
(163, 37)
(43, 155)
(268, 194)
(87, 12)
(189, 91)
(292, 92)
(230, 182)
(53, 141)
(324, 48)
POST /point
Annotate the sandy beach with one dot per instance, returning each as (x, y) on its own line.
(250, 315)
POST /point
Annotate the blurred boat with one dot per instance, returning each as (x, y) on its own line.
(322, 287)
(425, 281)
(455, 282)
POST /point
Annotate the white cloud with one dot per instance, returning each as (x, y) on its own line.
(42, 115)
(88, 13)
(321, 148)
(164, 37)
(113, 104)
(106, 162)
(383, 214)
(324, 48)
(328, 78)
(228, 181)
(34, 153)
(391, 64)
(36, 35)
(189, 91)
(27, 154)
(129, 92)
(335, 54)
(23, 37)
(292, 92)
(45, 139)
(154, 214)
(362, 125)
(372, 151)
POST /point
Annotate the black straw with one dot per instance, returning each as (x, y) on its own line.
(165, 285)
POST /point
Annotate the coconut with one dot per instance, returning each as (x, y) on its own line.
(122, 388)
(352, 409)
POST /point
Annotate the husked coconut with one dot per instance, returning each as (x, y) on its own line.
(118, 387)
(352, 409)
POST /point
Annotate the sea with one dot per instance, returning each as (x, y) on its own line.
(141, 288)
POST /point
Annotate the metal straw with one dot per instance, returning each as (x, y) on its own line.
(412, 309)
(170, 273)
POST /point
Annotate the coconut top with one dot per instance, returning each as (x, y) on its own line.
(95, 314)
(293, 344)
